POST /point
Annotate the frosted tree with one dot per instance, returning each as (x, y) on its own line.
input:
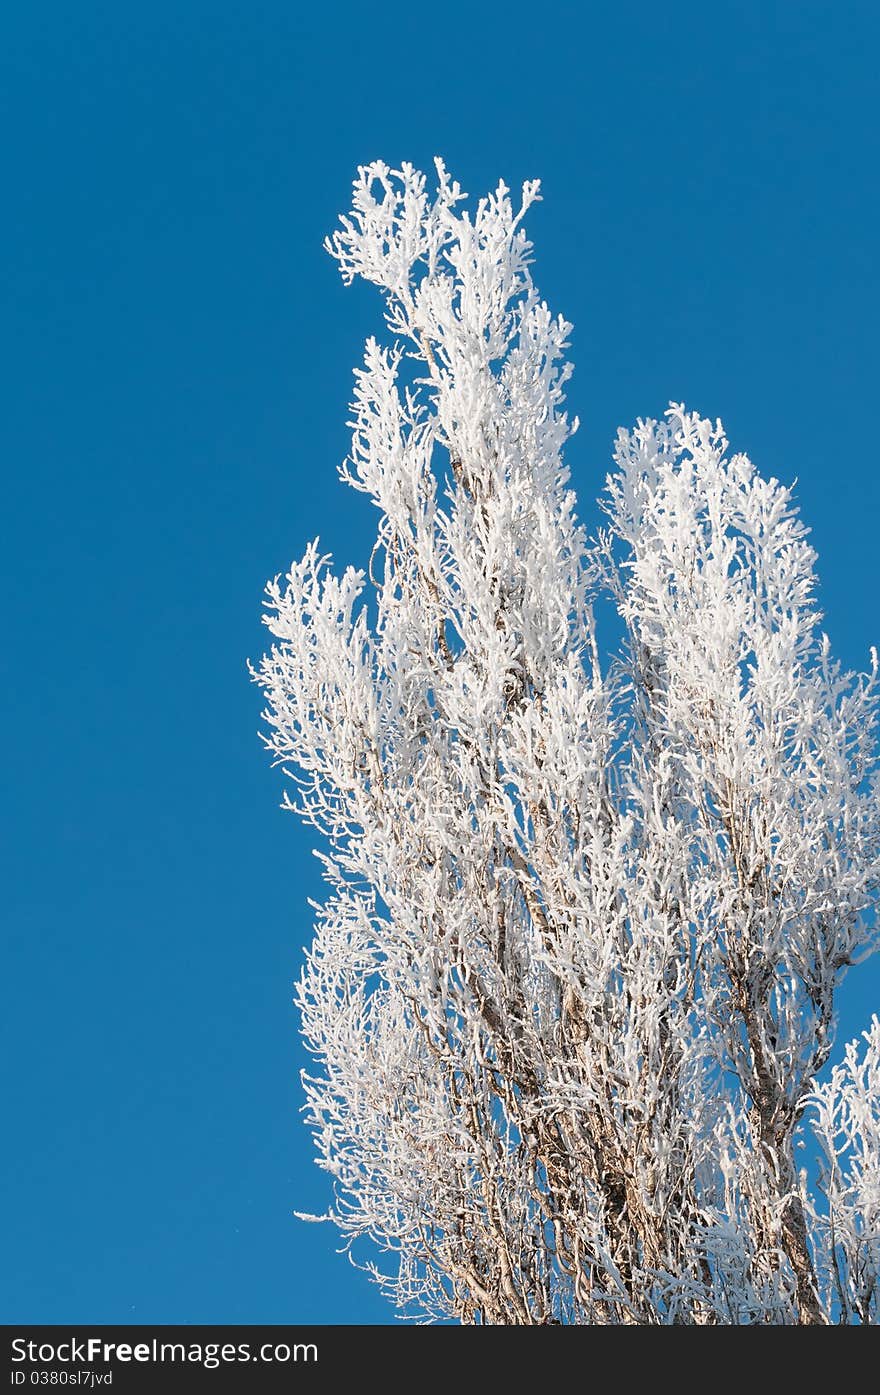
(573, 980)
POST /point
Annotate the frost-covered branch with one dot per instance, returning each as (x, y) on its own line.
(573, 979)
(847, 1124)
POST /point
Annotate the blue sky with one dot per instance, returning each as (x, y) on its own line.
(177, 352)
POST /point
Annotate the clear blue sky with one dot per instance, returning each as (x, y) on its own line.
(176, 369)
